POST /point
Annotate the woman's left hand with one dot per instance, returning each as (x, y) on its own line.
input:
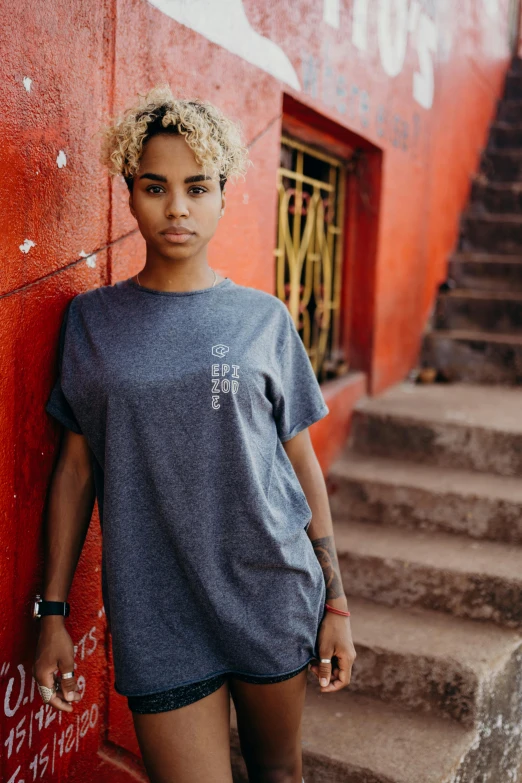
(335, 642)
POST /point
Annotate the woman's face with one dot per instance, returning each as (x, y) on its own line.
(170, 191)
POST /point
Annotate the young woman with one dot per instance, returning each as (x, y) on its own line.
(186, 399)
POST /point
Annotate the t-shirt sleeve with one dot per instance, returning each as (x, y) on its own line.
(298, 400)
(57, 404)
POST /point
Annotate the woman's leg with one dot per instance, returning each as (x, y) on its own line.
(190, 744)
(269, 727)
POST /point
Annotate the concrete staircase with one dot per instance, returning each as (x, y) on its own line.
(427, 508)
(477, 334)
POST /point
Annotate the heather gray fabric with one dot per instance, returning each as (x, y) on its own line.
(185, 399)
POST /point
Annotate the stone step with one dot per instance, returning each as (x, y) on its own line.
(431, 662)
(505, 136)
(453, 425)
(486, 311)
(493, 233)
(474, 357)
(486, 272)
(406, 494)
(480, 580)
(516, 65)
(349, 738)
(502, 165)
(510, 111)
(513, 86)
(496, 197)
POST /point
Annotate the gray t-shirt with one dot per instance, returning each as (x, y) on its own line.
(185, 399)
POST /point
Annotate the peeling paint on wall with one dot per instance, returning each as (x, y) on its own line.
(90, 258)
(27, 245)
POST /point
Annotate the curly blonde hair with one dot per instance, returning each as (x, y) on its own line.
(214, 138)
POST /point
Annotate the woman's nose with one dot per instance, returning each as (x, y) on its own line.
(177, 205)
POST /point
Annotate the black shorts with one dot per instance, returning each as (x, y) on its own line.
(182, 695)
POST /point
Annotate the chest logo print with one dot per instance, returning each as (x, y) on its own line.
(224, 377)
(220, 350)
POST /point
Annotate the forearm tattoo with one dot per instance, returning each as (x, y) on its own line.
(327, 556)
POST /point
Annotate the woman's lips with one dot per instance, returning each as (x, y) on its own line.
(176, 239)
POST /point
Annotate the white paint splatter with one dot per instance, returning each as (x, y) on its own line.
(90, 258)
(61, 160)
(27, 81)
(27, 245)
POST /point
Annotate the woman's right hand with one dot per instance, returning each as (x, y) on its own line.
(55, 652)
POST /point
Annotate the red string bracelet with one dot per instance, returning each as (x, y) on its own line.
(337, 611)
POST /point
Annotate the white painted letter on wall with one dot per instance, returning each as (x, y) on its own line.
(424, 79)
(392, 31)
(360, 24)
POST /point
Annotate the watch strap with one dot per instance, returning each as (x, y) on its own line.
(43, 608)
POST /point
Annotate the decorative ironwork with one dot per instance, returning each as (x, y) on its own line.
(310, 185)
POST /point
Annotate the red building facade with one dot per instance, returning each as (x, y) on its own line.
(398, 94)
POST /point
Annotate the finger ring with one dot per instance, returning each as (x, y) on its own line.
(67, 675)
(45, 692)
(326, 660)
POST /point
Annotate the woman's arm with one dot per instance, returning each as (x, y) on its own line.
(70, 503)
(335, 631)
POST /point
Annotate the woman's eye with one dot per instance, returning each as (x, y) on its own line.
(157, 188)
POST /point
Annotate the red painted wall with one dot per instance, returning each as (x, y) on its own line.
(415, 82)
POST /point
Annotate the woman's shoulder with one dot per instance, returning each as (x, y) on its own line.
(257, 297)
(93, 297)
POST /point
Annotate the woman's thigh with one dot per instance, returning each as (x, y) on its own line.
(269, 721)
(190, 744)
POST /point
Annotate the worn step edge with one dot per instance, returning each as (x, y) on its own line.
(447, 552)
(503, 125)
(364, 740)
(408, 494)
(495, 218)
(476, 257)
(410, 568)
(432, 478)
(481, 295)
(482, 181)
(415, 632)
(456, 404)
(504, 152)
(427, 660)
(476, 336)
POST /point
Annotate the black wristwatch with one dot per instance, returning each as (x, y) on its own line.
(42, 608)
